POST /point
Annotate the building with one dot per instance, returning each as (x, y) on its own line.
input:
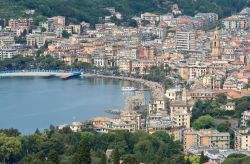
(162, 122)
(153, 18)
(213, 81)
(174, 94)
(128, 120)
(242, 139)
(209, 17)
(7, 53)
(245, 116)
(193, 71)
(35, 40)
(216, 49)
(20, 23)
(185, 40)
(202, 94)
(209, 138)
(180, 113)
(147, 52)
(236, 23)
(156, 106)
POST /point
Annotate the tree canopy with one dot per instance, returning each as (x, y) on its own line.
(92, 10)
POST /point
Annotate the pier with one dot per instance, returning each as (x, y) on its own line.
(40, 73)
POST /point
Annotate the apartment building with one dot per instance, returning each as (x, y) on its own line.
(242, 139)
(236, 23)
(7, 53)
(245, 116)
(192, 71)
(157, 106)
(209, 138)
(180, 113)
(185, 40)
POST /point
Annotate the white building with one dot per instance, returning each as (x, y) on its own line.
(7, 53)
(185, 40)
(244, 117)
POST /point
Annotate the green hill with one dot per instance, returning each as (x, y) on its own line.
(91, 10)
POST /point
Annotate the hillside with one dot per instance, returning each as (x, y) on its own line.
(91, 10)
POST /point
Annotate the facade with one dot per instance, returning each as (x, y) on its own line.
(180, 113)
(245, 116)
(35, 40)
(202, 94)
(236, 23)
(209, 138)
(157, 106)
(185, 40)
(242, 139)
(162, 122)
(216, 50)
(7, 53)
(174, 94)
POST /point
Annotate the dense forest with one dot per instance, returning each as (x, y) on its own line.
(92, 10)
(64, 146)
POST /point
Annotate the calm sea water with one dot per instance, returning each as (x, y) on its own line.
(30, 103)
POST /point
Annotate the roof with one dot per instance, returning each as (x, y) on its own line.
(102, 119)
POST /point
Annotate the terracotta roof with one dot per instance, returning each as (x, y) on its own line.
(102, 119)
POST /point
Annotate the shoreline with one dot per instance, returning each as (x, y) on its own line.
(156, 89)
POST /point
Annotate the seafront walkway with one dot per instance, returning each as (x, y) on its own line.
(157, 89)
(40, 73)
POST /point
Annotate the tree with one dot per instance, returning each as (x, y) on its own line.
(10, 132)
(129, 159)
(188, 161)
(53, 157)
(237, 158)
(203, 158)
(222, 127)
(103, 158)
(65, 34)
(9, 146)
(82, 156)
(221, 98)
(203, 122)
(116, 156)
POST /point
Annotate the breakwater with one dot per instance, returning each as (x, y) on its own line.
(157, 89)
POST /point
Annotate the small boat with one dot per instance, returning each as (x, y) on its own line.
(127, 89)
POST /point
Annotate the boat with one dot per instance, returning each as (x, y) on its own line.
(127, 89)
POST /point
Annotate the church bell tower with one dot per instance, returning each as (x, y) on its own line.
(216, 50)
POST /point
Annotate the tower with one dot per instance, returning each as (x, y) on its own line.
(216, 50)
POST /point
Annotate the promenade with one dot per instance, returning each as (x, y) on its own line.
(39, 73)
(156, 89)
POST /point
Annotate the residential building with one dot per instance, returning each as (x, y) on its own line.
(7, 53)
(236, 23)
(185, 40)
(174, 93)
(245, 116)
(242, 139)
(156, 106)
(209, 138)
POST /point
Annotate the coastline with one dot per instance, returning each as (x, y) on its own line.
(156, 89)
